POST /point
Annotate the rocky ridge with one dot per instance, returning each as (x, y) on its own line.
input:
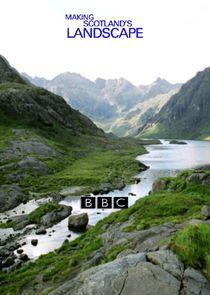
(189, 107)
(114, 104)
(154, 273)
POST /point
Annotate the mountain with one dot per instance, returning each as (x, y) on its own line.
(106, 102)
(49, 151)
(38, 107)
(186, 115)
(160, 86)
(79, 92)
(46, 145)
(129, 124)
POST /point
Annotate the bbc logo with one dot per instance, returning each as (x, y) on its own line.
(104, 202)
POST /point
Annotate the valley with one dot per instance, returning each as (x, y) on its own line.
(52, 154)
(115, 105)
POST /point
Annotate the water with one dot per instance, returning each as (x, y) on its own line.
(163, 160)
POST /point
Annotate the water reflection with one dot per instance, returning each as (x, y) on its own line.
(163, 160)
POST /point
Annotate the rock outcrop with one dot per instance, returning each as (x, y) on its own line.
(199, 178)
(158, 185)
(177, 142)
(53, 217)
(205, 211)
(11, 195)
(156, 273)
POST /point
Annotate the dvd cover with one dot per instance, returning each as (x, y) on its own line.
(104, 147)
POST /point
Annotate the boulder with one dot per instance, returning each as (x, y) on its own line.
(24, 257)
(206, 180)
(21, 225)
(194, 283)
(158, 185)
(18, 148)
(11, 196)
(104, 188)
(19, 251)
(34, 165)
(177, 142)
(8, 262)
(78, 222)
(34, 242)
(127, 275)
(70, 190)
(120, 186)
(13, 246)
(16, 265)
(4, 252)
(54, 217)
(196, 178)
(205, 211)
(137, 180)
(41, 231)
(21, 221)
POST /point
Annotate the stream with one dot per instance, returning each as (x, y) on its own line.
(164, 160)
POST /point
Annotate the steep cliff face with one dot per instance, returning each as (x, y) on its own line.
(186, 114)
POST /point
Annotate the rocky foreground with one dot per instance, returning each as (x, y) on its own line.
(160, 245)
(146, 266)
(146, 273)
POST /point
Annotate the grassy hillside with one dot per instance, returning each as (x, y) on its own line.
(45, 145)
(83, 160)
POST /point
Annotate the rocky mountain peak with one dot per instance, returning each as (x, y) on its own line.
(161, 81)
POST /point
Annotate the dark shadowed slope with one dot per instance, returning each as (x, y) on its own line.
(186, 114)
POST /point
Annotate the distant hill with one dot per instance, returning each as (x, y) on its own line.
(106, 102)
(186, 114)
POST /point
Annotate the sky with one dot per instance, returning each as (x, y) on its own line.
(175, 46)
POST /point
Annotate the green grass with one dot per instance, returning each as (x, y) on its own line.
(36, 215)
(85, 160)
(95, 168)
(192, 245)
(7, 224)
(181, 203)
(49, 270)
(163, 207)
(113, 252)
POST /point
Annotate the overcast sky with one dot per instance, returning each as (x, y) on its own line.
(176, 40)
